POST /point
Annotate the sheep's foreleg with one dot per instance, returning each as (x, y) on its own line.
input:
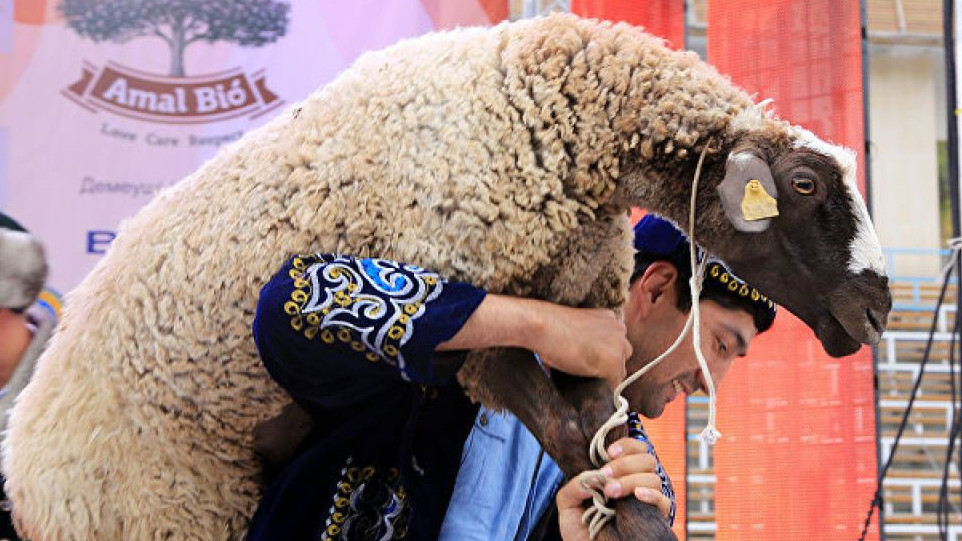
(593, 400)
(511, 379)
(563, 422)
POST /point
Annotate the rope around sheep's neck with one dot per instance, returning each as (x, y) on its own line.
(596, 516)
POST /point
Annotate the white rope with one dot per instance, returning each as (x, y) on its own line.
(596, 516)
(594, 482)
(709, 434)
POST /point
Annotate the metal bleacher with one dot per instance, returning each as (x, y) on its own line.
(914, 480)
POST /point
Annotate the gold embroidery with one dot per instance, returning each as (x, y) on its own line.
(327, 306)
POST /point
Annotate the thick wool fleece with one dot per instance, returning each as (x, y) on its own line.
(505, 157)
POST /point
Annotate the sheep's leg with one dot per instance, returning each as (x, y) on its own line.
(592, 399)
(511, 379)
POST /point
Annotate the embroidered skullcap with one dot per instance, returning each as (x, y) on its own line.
(659, 239)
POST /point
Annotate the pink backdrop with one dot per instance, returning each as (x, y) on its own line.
(75, 161)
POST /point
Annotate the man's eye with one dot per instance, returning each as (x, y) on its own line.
(722, 347)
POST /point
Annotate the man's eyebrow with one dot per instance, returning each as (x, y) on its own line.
(739, 338)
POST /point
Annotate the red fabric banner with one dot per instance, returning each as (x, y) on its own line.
(798, 457)
(663, 18)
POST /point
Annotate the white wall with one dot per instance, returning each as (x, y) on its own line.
(903, 126)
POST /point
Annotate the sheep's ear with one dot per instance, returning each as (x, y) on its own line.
(748, 193)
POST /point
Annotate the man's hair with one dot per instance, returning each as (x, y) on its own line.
(659, 240)
(7, 222)
(23, 266)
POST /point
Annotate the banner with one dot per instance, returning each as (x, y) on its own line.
(662, 18)
(104, 103)
(798, 457)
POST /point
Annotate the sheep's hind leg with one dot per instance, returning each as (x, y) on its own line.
(511, 379)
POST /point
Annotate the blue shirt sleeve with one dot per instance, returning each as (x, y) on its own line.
(500, 498)
(332, 329)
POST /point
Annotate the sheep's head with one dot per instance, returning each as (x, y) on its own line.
(817, 254)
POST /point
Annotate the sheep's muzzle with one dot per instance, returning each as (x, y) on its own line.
(858, 313)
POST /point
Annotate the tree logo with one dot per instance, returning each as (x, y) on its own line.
(175, 97)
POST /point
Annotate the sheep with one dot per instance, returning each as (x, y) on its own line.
(506, 157)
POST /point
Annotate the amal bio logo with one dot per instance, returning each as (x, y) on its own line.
(175, 98)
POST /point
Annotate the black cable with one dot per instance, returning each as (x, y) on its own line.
(877, 499)
(952, 139)
(948, 32)
(942, 512)
(942, 508)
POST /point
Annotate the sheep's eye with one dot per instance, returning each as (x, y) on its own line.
(804, 186)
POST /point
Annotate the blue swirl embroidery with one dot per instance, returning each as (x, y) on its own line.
(369, 303)
(374, 272)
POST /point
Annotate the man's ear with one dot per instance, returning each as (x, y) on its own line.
(658, 282)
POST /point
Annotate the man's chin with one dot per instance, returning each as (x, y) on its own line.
(645, 401)
(651, 411)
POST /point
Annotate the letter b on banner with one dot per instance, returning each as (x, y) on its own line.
(98, 241)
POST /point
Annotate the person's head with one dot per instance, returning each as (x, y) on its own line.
(23, 271)
(732, 313)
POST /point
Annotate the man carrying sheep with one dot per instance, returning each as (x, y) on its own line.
(390, 426)
(512, 499)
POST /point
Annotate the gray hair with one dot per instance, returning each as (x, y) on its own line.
(23, 269)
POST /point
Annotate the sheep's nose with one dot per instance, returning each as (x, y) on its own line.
(861, 304)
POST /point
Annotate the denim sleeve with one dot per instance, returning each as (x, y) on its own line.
(333, 328)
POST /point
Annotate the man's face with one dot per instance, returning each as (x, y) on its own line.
(14, 338)
(725, 334)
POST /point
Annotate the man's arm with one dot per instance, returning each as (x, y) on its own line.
(588, 342)
(338, 329)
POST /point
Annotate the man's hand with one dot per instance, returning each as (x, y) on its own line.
(630, 472)
(588, 342)
(584, 342)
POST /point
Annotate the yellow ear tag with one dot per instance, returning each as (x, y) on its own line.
(757, 204)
